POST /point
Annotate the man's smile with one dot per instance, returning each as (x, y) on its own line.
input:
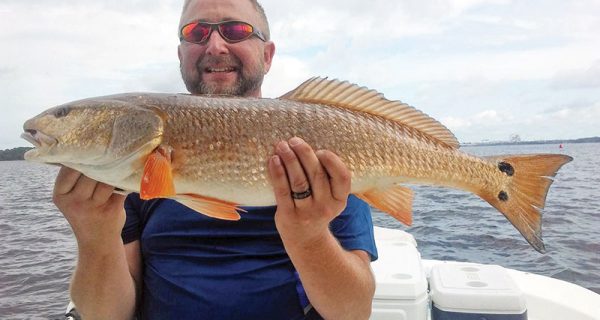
(219, 69)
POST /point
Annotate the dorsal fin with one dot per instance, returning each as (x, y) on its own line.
(350, 96)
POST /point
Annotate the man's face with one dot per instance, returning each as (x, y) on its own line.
(218, 67)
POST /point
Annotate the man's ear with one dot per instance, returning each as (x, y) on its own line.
(268, 53)
(179, 53)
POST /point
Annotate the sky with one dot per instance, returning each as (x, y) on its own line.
(485, 69)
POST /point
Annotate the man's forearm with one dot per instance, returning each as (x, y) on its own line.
(339, 284)
(102, 287)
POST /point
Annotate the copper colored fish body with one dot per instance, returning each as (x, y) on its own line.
(210, 153)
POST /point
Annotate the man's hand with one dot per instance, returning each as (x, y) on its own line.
(96, 215)
(94, 212)
(338, 283)
(296, 168)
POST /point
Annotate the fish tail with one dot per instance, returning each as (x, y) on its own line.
(521, 199)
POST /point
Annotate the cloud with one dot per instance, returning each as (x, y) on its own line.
(99, 41)
(549, 125)
(578, 79)
(586, 113)
(486, 68)
(6, 71)
(392, 44)
(487, 117)
(286, 74)
(379, 22)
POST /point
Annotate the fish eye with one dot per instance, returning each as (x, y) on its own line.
(61, 112)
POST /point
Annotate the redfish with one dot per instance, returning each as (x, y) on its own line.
(210, 152)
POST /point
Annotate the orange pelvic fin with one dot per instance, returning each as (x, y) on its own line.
(395, 201)
(521, 200)
(157, 178)
(211, 207)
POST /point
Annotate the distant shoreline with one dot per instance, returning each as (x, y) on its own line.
(13, 154)
(17, 153)
(557, 141)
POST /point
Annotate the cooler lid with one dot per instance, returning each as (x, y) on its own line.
(398, 271)
(475, 287)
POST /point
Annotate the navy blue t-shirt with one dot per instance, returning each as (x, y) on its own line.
(201, 267)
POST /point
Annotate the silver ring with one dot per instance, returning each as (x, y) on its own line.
(301, 195)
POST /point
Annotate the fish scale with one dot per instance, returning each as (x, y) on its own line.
(246, 144)
(210, 152)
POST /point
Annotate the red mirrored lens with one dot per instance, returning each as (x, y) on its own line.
(195, 32)
(235, 31)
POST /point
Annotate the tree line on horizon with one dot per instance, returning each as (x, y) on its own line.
(13, 154)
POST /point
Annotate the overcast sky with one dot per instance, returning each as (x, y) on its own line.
(486, 69)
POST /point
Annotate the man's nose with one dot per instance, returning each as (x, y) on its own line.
(216, 45)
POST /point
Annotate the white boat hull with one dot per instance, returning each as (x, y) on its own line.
(546, 298)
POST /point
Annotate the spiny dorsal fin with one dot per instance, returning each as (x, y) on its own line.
(350, 96)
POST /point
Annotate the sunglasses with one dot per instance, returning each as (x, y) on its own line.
(230, 31)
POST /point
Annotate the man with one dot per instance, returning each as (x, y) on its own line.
(310, 254)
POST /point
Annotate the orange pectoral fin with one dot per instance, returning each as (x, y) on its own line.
(157, 178)
(211, 207)
(395, 201)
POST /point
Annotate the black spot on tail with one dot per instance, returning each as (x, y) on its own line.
(506, 168)
(503, 196)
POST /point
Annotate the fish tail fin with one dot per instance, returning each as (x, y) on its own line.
(523, 197)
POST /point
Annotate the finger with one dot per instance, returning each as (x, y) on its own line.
(84, 187)
(339, 176)
(295, 172)
(317, 176)
(65, 180)
(102, 193)
(280, 183)
(116, 202)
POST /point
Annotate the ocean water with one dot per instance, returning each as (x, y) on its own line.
(38, 250)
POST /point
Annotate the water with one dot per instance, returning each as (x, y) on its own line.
(38, 250)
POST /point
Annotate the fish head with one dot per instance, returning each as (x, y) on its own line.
(93, 132)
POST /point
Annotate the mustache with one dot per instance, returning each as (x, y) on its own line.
(224, 60)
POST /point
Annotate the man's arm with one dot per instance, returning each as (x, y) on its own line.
(339, 283)
(103, 285)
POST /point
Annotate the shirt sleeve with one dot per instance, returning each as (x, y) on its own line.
(132, 229)
(354, 227)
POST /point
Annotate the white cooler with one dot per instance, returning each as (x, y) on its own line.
(401, 292)
(472, 291)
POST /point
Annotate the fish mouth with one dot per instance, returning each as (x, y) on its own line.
(38, 138)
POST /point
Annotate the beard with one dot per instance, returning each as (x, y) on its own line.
(247, 80)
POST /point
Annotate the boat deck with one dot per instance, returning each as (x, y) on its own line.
(545, 298)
